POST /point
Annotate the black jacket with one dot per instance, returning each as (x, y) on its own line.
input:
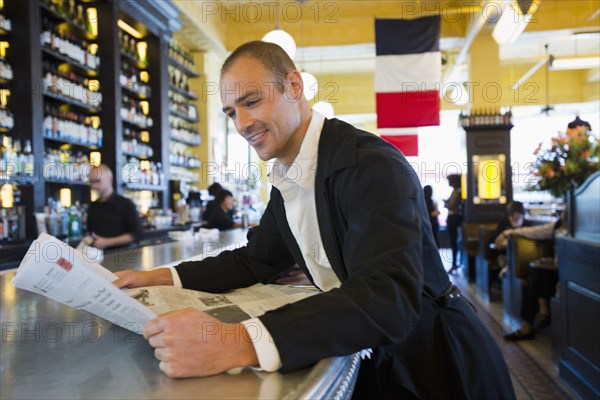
(376, 232)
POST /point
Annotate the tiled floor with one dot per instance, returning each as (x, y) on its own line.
(533, 372)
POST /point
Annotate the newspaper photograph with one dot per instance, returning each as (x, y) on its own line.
(232, 307)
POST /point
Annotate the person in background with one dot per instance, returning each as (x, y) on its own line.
(211, 205)
(433, 213)
(514, 219)
(355, 221)
(454, 220)
(113, 220)
(541, 282)
(220, 217)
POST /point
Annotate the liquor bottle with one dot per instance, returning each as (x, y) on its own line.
(29, 159)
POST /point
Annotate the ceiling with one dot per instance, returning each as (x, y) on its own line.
(338, 36)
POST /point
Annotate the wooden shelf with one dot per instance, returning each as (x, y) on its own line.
(132, 123)
(132, 92)
(134, 60)
(57, 56)
(65, 182)
(139, 186)
(488, 127)
(72, 142)
(19, 179)
(184, 117)
(182, 92)
(72, 102)
(81, 30)
(183, 68)
(137, 155)
(185, 142)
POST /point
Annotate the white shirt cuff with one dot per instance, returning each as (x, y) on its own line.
(176, 279)
(266, 351)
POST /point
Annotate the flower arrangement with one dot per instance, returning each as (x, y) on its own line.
(572, 158)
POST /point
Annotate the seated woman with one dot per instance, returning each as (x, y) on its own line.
(220, 217)
(541, 283)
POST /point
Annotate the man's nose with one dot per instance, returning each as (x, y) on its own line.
(244, 121)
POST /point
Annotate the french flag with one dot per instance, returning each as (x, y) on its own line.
(407, 78)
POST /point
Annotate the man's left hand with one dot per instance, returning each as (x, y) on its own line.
(191, 343)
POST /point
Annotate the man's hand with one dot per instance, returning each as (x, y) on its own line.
(501, 240)
(191, 343)
(130, 278)
(101, 242)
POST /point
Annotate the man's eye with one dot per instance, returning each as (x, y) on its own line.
(231, 114)
(251, 103)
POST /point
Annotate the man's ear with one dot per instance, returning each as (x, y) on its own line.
(296, 85)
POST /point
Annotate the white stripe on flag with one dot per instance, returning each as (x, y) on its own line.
(408, 73)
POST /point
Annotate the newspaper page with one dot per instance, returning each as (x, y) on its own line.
(54, 269)
(232, 307)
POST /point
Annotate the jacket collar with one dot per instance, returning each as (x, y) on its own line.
(337, 147)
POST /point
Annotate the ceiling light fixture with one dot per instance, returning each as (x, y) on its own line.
(129, 29)
(513, 21)
(575, 63)
(281, 37)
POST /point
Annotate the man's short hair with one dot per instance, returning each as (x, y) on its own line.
(516, 207)
(271, 55)
(214, 188)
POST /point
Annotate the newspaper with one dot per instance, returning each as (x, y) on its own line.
(54, 269)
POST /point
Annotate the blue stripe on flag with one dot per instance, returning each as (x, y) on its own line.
(404, 36)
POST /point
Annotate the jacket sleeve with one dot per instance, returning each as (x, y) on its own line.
(263, 259)
(381, 213)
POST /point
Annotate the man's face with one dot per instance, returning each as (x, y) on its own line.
(516, 219)
(266, 117)
(99, 181)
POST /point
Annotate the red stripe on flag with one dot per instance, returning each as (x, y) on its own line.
(407, 144)
(408, 109)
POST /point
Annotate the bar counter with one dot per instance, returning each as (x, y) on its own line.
(51, 351)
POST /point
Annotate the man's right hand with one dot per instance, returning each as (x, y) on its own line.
(130, 278)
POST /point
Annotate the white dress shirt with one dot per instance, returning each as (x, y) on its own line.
(297, 187)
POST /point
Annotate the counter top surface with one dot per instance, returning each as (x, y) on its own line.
(52, 351)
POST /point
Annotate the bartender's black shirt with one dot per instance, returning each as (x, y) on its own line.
(114, 217)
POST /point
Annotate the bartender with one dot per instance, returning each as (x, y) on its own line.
(112, 219)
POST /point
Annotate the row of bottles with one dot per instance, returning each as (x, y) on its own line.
(12, 221)
(68, 222)
(131, 78)
(183, 174)
(180, 80)
(14, 158)
(5, 22)
(488, 117)
(69, 45)
(136, 142)
(7, 120)
(136, 148)
(142, 172)
(6, 71)
(179, 104)
(184, 159)
(135, 111)
(64, 165)
(177, 53)
(132, 48)
(72, 11)
(61, 82)
(183, 131)
(68, 125)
